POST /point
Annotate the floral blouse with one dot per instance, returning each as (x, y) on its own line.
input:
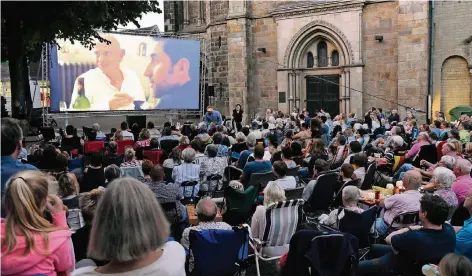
(448, 195)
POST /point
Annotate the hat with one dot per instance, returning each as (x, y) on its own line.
(254, 124)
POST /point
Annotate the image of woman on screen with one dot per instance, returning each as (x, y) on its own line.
(173, 73)
(108, 86)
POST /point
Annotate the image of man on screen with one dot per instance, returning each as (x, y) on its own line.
(109, 86)
(168, 72)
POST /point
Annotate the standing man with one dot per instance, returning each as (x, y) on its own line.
(107, 87)
(212, 116)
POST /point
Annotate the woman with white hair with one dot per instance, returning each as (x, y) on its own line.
(130, 231)
(240, 144)
(272, 193)
(442, 180)
(130, 158)
(350, 197)
(187, 171)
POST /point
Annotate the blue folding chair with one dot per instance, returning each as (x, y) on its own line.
(218, 252)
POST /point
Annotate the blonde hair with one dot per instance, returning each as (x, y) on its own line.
(88, 203)
(273, 193)
(144, 134)
(457, 145)
(118, 135)
(128, 222)
(129, 153)
(67, 186)
(468, 148)
(25, 197)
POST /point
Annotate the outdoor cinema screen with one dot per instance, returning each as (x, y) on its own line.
(128, 73)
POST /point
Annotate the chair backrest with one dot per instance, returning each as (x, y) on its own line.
(293, 171)
(338, 200)
(153, 155)
(215, 182)
(122, 144)
(192, 196)
(295, 193)
(282, 220)
(168, 145)
(240, 201)
(406, 219)
(75, 219)
(170, 209)
(93, 146)
(134, 172)
(323, 192)
(168, 173)
(369, 176)
(399, 160)
(232, 173)
(75, 163)
(428, 153)
(359, 225)
(261, 179)
(460, 215)
(218, 252)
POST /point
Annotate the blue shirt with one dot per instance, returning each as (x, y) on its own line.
(10, 167)
(214, 117)
(255, 167)
(243, 158)
(437, 131)
(464, 240)
(424, 245)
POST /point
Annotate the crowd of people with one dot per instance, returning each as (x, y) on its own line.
(71, 208)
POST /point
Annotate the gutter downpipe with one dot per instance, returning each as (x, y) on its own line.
(430, 61)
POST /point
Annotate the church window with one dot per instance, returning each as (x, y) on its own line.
(310, 60)
(335, 58)
(322, 54)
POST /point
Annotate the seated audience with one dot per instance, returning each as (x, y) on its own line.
(240, 143)
(112, 172)
(455, 265)
(251, 143)
(124, 131)
(154, 132)
(167, 135)
(118, 135)
(273, 193)
(174, 159)
(154, 143)
(187, 171)
(287, 154)
(144, 140)
(88, 203)
(112, 157)
(421, 140)
(259, 165)
(68, 190)
(359, 162)
(346, 173)
(279, 169)
(318, 151)
(464, 233)
(214, 165)
(130, 158)
(408, 201)
(130, 231)
(321, 166)
(52, 159)
(100, 136)
(463, 183)
(197, 145)
(31, 245)
(184, 143)
(442, 181)
(146, 167)
(12, 143)
(94, 175)
(409, 248)
(354, 148)
(350, 197)
(223, 151)
(71, 140)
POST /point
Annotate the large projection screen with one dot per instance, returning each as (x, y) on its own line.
(130, 73)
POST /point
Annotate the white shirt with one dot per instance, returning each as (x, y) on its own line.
(99, 91)
(171, 263)
(127, 135)
(288, 182)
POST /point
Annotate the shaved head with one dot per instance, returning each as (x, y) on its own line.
(108, 56)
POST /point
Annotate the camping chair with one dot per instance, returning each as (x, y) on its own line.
(404, 220)
(212, 184)
(282, 220)
(295, 193)
(369, 176)
(173, 217)
(338, 199)
(322, 196)
(218, 252)
(134, 172)
(359, 225)
(168, 145)
(261, 179)
(153, 155)
(76, 163)
(93, 146)
(428, 153)
(460, 215)
(293, 171)
(168, 174)
(231, 173)
(122, 144)
(191, 198)
(239, 205)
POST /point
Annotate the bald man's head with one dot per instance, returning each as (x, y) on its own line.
(412, 180)
(206, 210)
(109, 56)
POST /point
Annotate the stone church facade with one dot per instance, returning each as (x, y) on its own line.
(342, 56)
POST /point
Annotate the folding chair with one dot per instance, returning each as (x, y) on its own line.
(168, 174)
(338, 200)
(122, 144)
(173, 216)
(134, 172)
(218, 252)
(232, 173)
(295, 193)
(239, 205)
(93, 146)
(404, 219)
(282, 220)
(189, 199)
(293, 171)
(168, 145)
(260, 178)
(428, 153)
(212, 184)
(369, 176)
(322, 196)
(153, 155)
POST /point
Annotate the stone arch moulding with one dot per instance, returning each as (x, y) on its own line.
(328, 29)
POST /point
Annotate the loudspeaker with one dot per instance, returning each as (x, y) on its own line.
(140, 120)
(210, 91)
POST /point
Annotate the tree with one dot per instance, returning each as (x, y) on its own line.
(26, 26)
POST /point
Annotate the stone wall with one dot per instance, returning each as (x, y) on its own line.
(452, 23)
(380, 57)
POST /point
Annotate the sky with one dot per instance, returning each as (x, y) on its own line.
(150, 19)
